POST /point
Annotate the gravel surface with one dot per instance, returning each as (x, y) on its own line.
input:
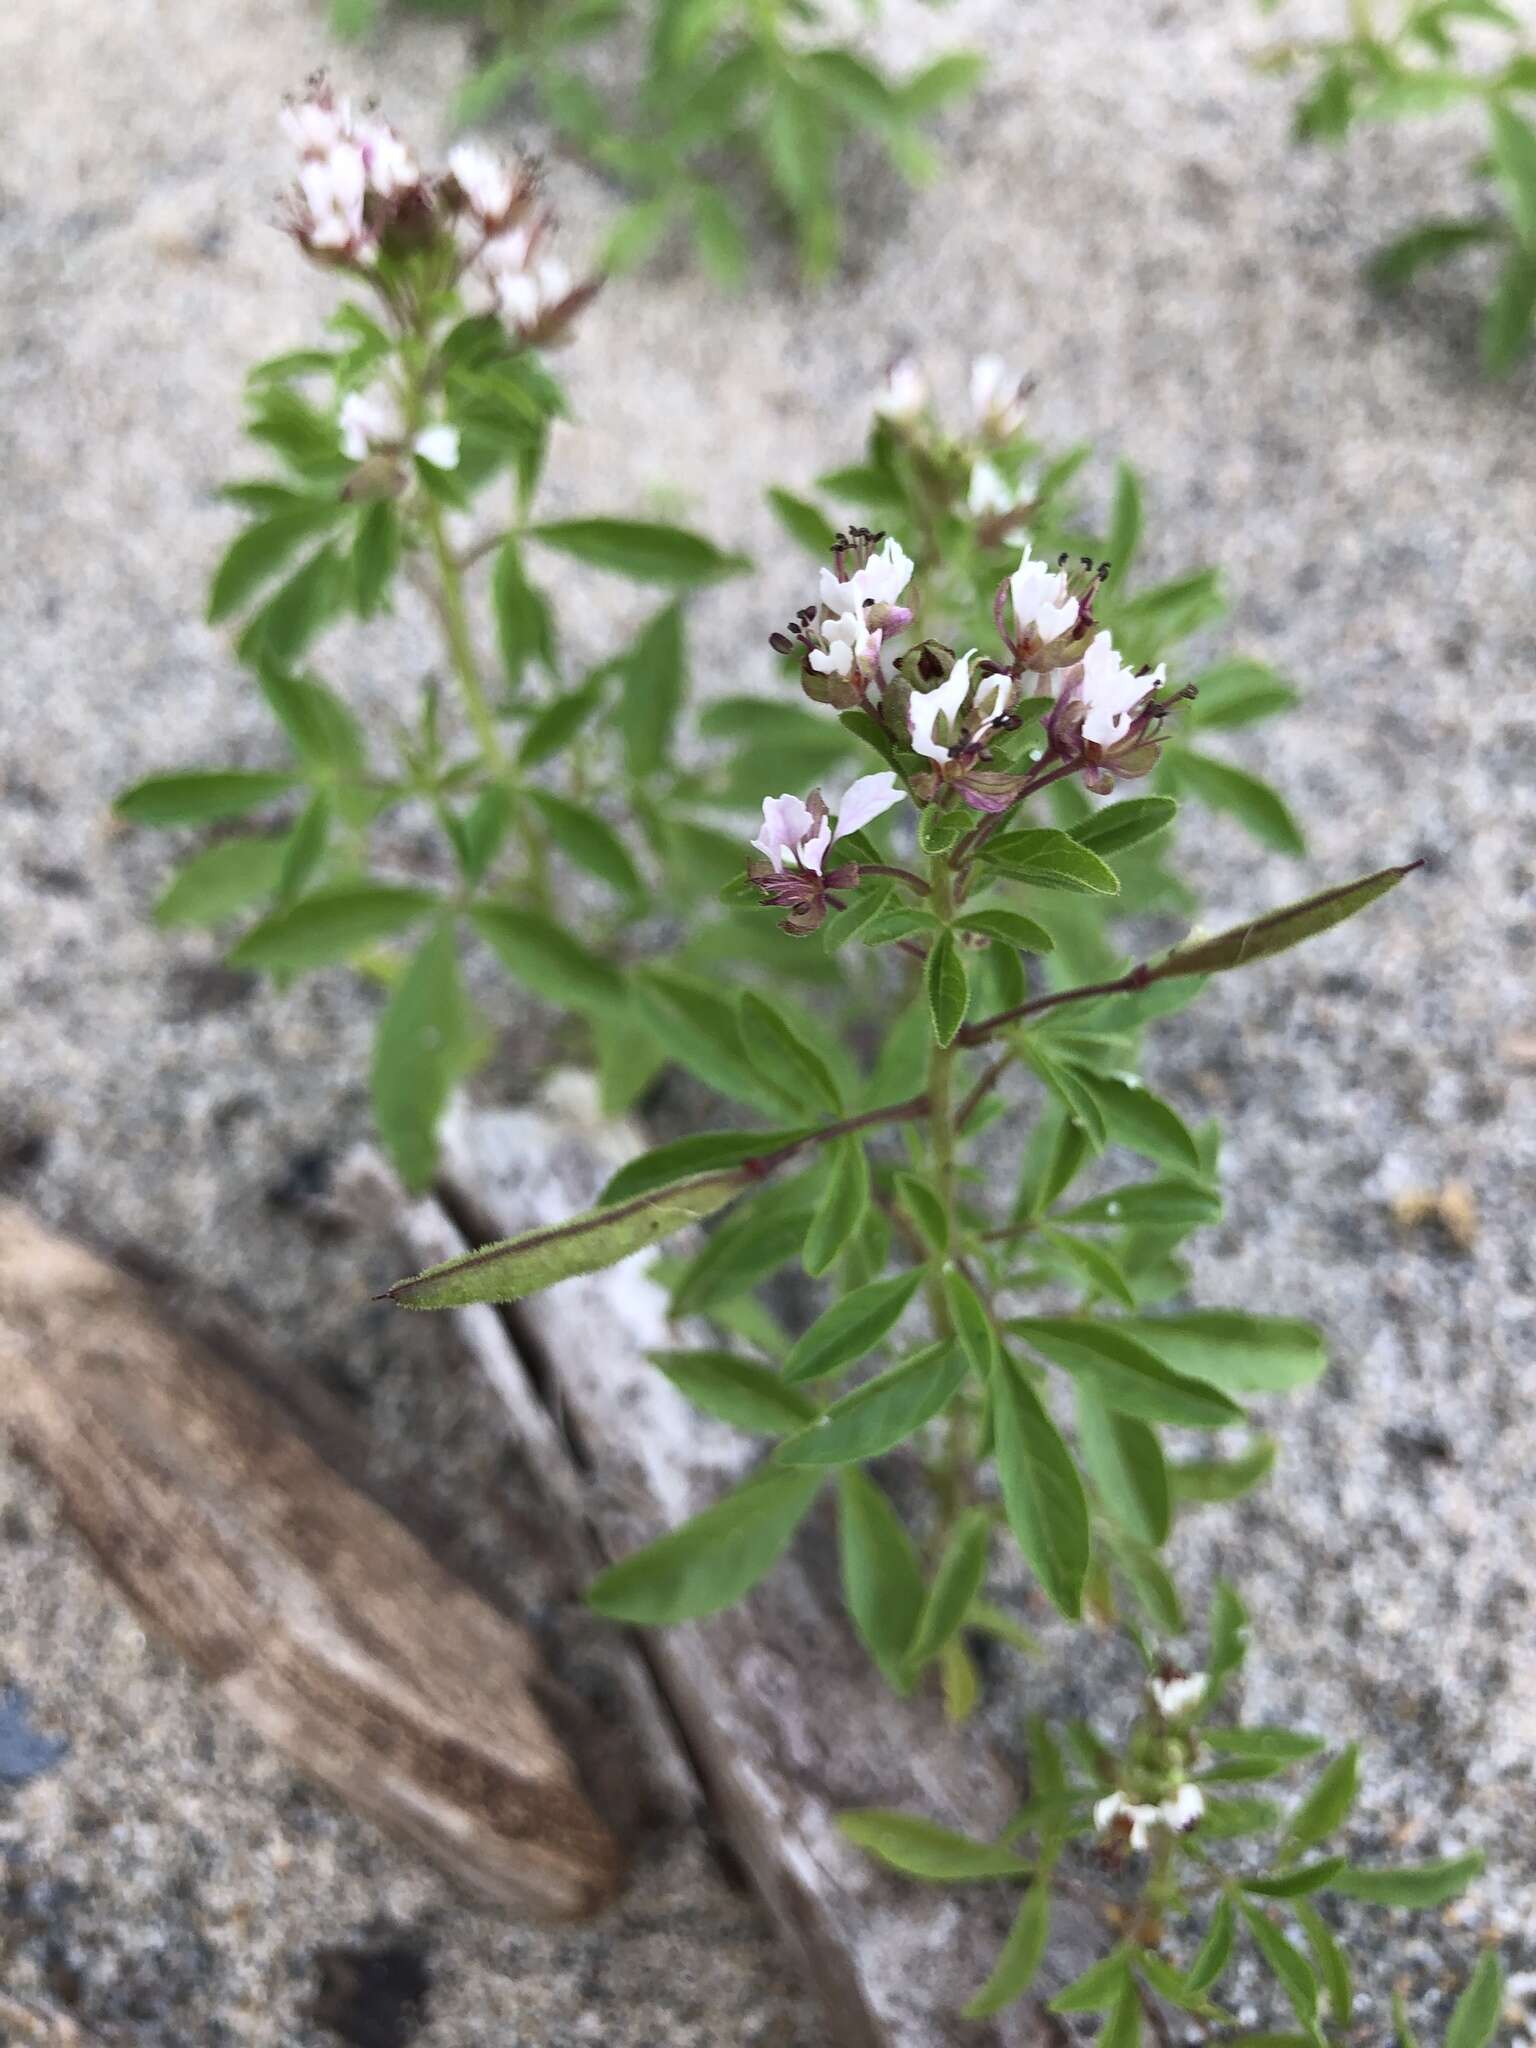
(1122, 214)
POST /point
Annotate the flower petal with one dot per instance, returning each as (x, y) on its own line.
(867, 799)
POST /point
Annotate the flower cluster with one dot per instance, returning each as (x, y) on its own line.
(1157, 1795)
(357, 179)
(795, 839)
(361, 193)
(373, 423)
(953, 713)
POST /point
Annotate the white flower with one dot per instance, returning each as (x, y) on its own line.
(314, 126)
(989, 491)
(1110, 691)
(927, 707)
(438, 446)
(485, 178)
(370, 419)
(1184, 1809)
(1176, 1696)
(905, 396)
(866, 800)
(391, 168)
(1115, 1806)
(881, 581)
(1040, 600)
(849, 641)
(997, 396)
(793, 830)
(334, 186)
(526, 285)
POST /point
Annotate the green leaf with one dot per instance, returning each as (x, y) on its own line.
(664, 1164)
(882, 1580)
(711, 1561)
(323, 732)
(921, 1848)
(960, 1576)
(1241, 1353)
(1410, 1884)
(700, 1027)
(195, 798)
(1097, 1988)
(1293, 1884)
(1042, 1493)
(1119, 826)
(762, 1235)
(375, 556)
(1009, 929)
(1402, 2031)
(1136, 1118)
(1160, 1204)
(1475, 2017)
(882, 1412)
(1330, 1960)
(1278, 930)
(256, 555)
(588, 840)
(1021, 1955)
(1125, 1462)
(586, 1243)
(1237, 692)
(1208, 1480)
(222, 881)
(547, 959)
(802, 521)
(1090, 1266)
(1048, 859)
(851, 1328)
(1431, 242)
(641, 549)
(1327, 1803)
(1280, 1745)
(653, 677)
(279, 632)
(332, 925)
(1215, 1950)
(718, 237)
(1246, 797)
(842, 1208)
(971, 1321)
(1124, 524)
(1229, 1820)
(936, 84)
(1506, 331)
(306, 850)
(926, 1211)
(747, 1396)
(1123, 2027)
(525, 631)
(424, 1045)
(1128, 1375)
(948, 987)
(786, 1062)
(1514, 158)
(551, 731)
(1229, 1635)
(1289, 1966)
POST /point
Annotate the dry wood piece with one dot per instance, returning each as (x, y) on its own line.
(787, 1722)
(318, 1617)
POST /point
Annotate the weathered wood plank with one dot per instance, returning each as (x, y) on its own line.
(316, 1615)
(786, 1721)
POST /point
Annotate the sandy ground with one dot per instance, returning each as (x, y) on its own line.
(1124, 215)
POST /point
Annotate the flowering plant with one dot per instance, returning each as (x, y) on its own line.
(757, 83)
(882, 1184)
(433, 398)
(991, 1376)
(1421, 64)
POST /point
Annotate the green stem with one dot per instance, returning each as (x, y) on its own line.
(461, 647)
